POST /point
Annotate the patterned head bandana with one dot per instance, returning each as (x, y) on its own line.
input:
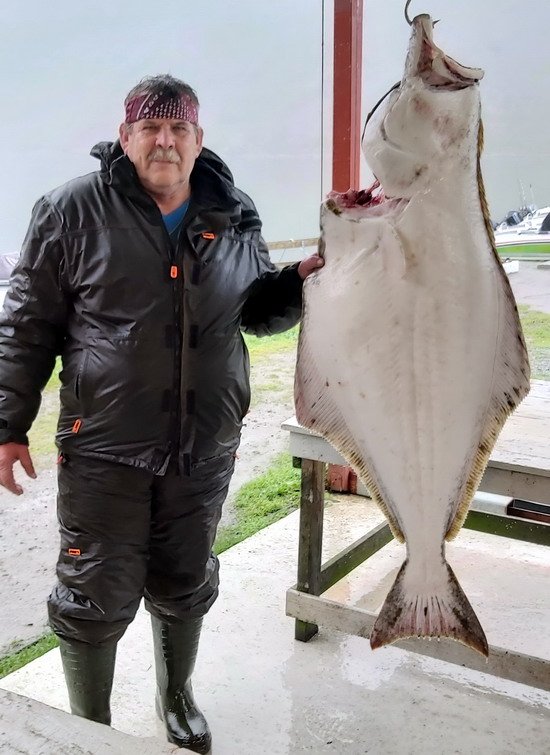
(164, 105)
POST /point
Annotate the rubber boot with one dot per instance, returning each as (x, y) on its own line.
(176, 648)
(89, 677)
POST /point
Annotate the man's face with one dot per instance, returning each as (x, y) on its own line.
(163, 151)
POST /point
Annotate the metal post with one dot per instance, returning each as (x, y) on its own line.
(348, 49)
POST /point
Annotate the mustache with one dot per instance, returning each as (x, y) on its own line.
(164, 155)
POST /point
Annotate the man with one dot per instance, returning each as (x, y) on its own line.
(141, 276)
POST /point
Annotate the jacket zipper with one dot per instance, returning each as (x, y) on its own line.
(176, 275)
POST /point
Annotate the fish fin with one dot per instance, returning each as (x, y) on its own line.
(317, 412)
(511, 372)
(444, 613)
(511, 383)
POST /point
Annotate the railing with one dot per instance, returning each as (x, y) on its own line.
(292, 243)
(281, 251)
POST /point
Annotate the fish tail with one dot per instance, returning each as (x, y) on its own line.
(445, 613)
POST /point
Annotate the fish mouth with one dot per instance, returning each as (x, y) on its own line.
(361, 203)
(427, 61)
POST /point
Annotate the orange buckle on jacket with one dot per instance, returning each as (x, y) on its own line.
(208, 235)
(77, 425)
(174, 271)
(74, 551)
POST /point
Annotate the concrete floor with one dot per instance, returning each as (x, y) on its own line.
(27, 726)
(263, 692)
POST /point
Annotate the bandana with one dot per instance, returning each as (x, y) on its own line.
(162, 105)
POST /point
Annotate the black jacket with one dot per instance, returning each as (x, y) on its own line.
(150, 336)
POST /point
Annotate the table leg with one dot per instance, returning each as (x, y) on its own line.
(311, 538)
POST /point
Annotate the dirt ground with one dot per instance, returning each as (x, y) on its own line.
(28, 531)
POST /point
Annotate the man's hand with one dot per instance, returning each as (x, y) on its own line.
(310, 265)
(9, 454)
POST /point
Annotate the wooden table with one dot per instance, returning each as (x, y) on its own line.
(519, 468)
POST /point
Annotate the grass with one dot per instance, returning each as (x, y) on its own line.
(54, 382)
(12, 662)
(524, 250)
(275, 391)
(261, 502)
(536, 327)
(41, 435)
(258, 348)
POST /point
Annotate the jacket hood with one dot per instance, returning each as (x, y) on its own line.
(211, 180)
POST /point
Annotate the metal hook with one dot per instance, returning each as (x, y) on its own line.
(407, 17)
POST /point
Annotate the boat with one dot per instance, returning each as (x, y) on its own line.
(529, 238)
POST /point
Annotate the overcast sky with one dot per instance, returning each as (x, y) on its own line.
(66, 67)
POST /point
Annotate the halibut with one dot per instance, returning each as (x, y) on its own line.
(411, 354)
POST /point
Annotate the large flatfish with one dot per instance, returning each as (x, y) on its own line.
(411, 354)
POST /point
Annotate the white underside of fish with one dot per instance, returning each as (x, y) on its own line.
(411, 355)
